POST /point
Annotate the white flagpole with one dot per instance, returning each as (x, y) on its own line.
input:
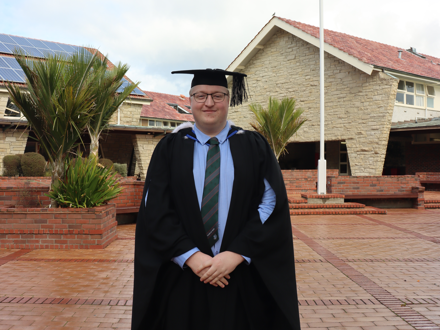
(322, 163)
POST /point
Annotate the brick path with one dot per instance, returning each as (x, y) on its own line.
(353, 272)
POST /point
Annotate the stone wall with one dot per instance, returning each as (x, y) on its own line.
(130, 114)
(144, 145)
(358, 107)
(12, 141)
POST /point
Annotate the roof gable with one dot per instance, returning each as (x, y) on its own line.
(361, 53)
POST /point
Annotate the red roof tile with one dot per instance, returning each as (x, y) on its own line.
(159, 108)
(375, 53)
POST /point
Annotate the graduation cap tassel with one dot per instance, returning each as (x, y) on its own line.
(239, 93)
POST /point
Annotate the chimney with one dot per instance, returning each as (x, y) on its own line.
(400, 54)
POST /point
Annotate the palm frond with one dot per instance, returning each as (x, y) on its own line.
(278, 123)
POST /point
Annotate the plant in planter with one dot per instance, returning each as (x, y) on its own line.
(85, 184)
(63, 95)
(33, 164)
(11, 164)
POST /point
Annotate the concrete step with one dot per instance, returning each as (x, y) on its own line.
(367, 210)
(327, 206)
(432, 206)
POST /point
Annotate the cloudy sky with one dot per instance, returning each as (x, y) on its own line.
(157, 37)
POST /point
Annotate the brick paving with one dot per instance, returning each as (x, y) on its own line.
(353, 272)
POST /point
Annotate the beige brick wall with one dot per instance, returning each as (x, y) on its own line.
(129, 115)
(358, 107)
(143, 147)
(3, 101)
(12, 142)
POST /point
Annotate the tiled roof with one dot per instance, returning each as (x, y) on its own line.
(159, 108)
(375, 53)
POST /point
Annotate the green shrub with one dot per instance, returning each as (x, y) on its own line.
(33, 164)
(107, 163)
(20, 172)
(11, 164)
(121, 169)
(85, 185)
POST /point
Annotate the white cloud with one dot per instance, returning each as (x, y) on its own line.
(157, 37)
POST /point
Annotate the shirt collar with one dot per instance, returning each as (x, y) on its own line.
(203, 138)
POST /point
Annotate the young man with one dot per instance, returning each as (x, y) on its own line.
(214, 244)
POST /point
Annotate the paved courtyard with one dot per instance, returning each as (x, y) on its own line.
(353, 272)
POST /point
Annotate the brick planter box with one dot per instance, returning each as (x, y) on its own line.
(30, 192)
(61, 228)
(379, 187)
(130, 198)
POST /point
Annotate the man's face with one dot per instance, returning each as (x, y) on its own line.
(210, 116)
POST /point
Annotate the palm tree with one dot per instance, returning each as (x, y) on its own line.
(107, 99)
(278, 123)
(57, 103)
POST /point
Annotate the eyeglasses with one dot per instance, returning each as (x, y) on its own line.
(216, 97)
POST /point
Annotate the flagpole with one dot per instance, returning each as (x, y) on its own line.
(322, 163)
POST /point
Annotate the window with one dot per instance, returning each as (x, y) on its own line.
(415, 94)
(430, 99)
(426, 138)
(151, 123)
(12, 110)
(343, 159)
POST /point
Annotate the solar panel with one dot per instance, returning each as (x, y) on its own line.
(33, 51)
(38, 43)
(4, 48)
(47, 52)
(21, 41)
(11, 75)
(13, 47)
(12, 62)
(3, 64)
(137, 91)
(53, 46)
(6, 38)
(11, 70)
(66, 48)
(21, 74)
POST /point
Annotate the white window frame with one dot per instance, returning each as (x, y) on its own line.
(415, 94)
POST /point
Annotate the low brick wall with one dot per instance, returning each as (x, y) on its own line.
(61, 228)
(379, 187)
(302, 181)
(130, 198)
(30, 192)
(429, 177)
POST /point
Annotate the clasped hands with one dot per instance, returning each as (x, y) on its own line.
(214, 270)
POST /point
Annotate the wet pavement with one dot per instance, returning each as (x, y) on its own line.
(353, 272)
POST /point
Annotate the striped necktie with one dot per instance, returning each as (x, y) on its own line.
(210, 192)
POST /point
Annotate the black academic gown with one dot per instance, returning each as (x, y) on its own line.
(260, 296)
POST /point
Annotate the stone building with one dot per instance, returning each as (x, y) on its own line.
(370, 89)
(141, 121)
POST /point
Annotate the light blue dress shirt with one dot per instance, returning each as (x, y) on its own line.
(201, 147)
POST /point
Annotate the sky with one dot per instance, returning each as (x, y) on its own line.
(157, 37)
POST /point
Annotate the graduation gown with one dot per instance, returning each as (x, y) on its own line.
(260, 296)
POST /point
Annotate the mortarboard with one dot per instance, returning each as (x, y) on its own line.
(217, 77)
